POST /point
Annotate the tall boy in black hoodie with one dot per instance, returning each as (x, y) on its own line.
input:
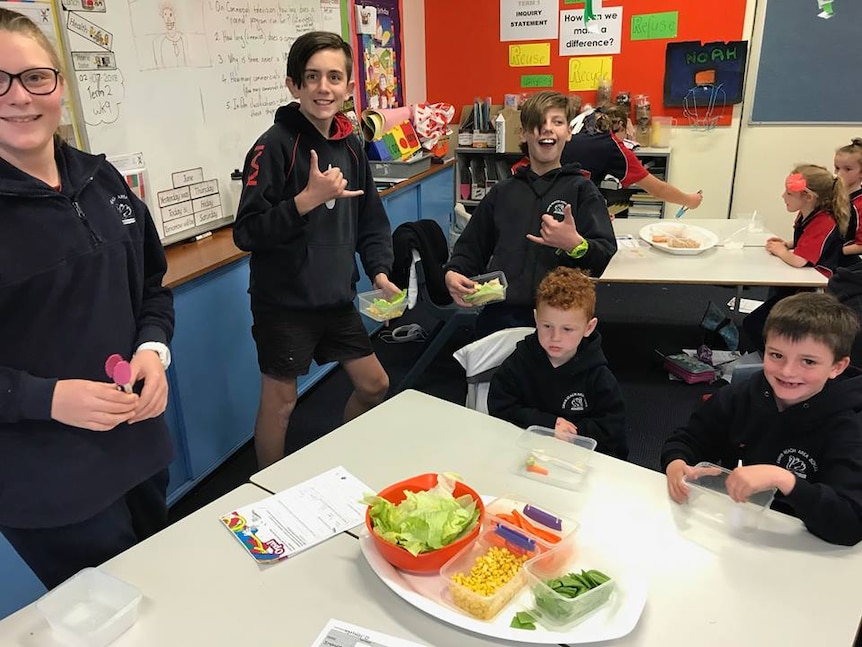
(308, 205)
(795, 427)
(558, 377)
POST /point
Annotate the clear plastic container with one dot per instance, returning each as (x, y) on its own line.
(91, 609)
(558, 612)
(708, 497)
(501, 509)
(485, 607)
(551, 460)
(374, 304)
(480, 298)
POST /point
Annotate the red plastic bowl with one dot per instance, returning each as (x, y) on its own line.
(423, 562)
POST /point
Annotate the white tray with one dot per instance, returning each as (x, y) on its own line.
(427, 593)
(705, 237)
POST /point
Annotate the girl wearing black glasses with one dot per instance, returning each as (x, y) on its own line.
(82, 462)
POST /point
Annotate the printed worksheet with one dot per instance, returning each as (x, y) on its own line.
(343, 634)
(300, 517)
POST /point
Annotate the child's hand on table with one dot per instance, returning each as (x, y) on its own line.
(776, 246)
(676, 487)
(751, 479)
(565, 430)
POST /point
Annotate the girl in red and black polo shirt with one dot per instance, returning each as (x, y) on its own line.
(820, 200)
(822, 212)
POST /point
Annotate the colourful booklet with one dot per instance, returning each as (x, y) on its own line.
(299, 517)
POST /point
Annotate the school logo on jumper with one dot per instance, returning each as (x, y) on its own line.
(124, 207)
(575, 402)
(557, 209)
(797, 461)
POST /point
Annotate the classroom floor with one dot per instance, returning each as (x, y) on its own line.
(634, 320)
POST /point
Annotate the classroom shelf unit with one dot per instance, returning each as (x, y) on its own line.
(641, 203)
(478, 169)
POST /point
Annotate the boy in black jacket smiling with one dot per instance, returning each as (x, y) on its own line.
(545, 216)
(558, 377)
(794, 427)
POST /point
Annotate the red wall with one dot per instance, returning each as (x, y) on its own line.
(465, 58)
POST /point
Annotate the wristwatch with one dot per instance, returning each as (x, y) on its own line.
(580, 249)
(163, 351)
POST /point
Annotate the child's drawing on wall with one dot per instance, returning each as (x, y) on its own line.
(170, 49)
(169, 34)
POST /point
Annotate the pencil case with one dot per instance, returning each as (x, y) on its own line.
(689, 369)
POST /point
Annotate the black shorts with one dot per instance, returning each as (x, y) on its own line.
(288, 341)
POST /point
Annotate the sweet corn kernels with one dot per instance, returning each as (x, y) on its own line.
(493, 571)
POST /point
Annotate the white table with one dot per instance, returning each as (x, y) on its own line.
(776, 586)
(201, 588)
(751, 265)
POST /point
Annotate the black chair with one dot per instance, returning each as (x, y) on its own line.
(428, 241)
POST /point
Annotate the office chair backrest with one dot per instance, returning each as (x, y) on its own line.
(481, 359)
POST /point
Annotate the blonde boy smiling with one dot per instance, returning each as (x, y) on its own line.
(546, 215)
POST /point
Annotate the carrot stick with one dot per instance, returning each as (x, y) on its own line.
(538, 532)
(509, 518)
(538, 469)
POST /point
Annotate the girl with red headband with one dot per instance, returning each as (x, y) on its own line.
(822, 213)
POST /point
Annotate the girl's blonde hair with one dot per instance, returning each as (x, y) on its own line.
(830, 191)
(853, 148)
(19, 24)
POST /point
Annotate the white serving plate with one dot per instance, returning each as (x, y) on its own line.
(614, 620)
(705, 237)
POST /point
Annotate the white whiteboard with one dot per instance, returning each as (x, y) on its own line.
(187, 84)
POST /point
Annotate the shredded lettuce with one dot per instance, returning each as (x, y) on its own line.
(424, 521)
(486, 292)
(388, 308)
